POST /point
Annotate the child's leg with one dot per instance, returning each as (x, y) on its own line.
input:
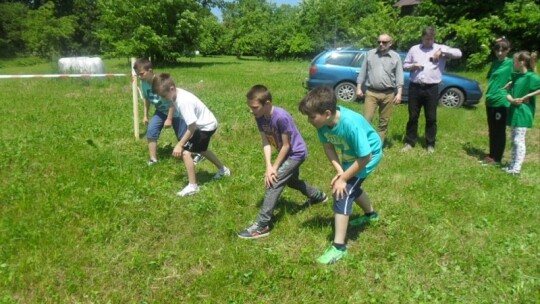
(287, 170)
(513, 155)
(365, 203)
(212, 158)
(498, 134)
(519, 148)
(341, 221)
(179, 126)
(152, 148)
(152, 134)
(298, 184)
(190, 167)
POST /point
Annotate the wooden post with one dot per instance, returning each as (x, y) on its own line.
(135, 100)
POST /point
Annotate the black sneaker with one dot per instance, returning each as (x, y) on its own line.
(321, 197)
(255, 231)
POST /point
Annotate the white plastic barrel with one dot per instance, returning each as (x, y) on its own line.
(81, 65)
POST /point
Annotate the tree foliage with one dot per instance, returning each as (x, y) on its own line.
(11, 28)
(44, 34)
(162, 30)
(170, 29)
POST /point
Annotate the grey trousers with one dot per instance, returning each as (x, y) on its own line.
(288, 175)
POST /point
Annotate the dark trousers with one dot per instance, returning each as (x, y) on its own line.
(426, 96)
(496, 118)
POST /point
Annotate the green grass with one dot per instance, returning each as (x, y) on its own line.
(84, 220)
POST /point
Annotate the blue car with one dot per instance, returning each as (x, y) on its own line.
(339, 68)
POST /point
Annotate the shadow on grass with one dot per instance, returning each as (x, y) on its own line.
(353, 232)
(400, 139)
(191, 64)
(474, 151)
(469, 107)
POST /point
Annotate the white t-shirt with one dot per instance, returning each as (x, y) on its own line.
(193, 110)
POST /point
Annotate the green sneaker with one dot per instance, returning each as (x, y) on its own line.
(365, 219)
(332, 255)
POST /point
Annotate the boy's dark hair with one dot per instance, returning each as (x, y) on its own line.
(429, 31)
(260, 93)
(162, 83)
(501, 44)
(142, 63)
(318, 100)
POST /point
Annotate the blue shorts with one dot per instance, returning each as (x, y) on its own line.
(353, 191)
(156, 125)
(199, 141)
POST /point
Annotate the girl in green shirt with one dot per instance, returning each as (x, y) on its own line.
(521, 94)
(496, 102)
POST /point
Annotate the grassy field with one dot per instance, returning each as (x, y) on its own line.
(84, 220)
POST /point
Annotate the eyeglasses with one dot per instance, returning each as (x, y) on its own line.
(383, 42)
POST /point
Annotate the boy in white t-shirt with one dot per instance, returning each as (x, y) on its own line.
(202, 124)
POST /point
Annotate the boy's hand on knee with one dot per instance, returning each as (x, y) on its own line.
(339, 186)
(270, 177)
(178, 151)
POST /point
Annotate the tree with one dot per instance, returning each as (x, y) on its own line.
(162, 30)
(246, 24)
(44, 34)
(11, 28)
(285, 38)
(210, 42)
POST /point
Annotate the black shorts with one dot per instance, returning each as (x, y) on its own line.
(199, 141)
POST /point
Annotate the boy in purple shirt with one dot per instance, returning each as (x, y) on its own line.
(277, 129)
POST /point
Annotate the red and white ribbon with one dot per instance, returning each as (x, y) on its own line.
(63, 76)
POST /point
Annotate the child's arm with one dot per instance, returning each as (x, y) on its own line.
(170, 115)
(270, 175)
(146, 108)
(179, 148)
(330, 152)
(527, 97)
(282, 155)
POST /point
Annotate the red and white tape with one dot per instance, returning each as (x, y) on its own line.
(63, 76)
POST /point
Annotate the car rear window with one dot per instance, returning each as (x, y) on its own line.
(341, 58)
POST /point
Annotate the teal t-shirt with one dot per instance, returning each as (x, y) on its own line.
(523, 84)
(161, 104)
(354, 137)
(499, 75)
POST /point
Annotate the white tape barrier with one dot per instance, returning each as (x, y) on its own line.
(63, 76)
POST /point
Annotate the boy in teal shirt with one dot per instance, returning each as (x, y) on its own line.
(165, 115)
(361, 151)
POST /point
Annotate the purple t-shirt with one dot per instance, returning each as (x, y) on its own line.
(281, 122)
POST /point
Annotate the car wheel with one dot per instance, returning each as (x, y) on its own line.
(452, 98)
(345, 91)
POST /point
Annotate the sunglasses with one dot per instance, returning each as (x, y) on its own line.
(383, 42)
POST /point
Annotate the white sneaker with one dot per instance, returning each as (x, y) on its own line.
(407, 148)
(152, 162)
(188, 190)
(222, 172)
